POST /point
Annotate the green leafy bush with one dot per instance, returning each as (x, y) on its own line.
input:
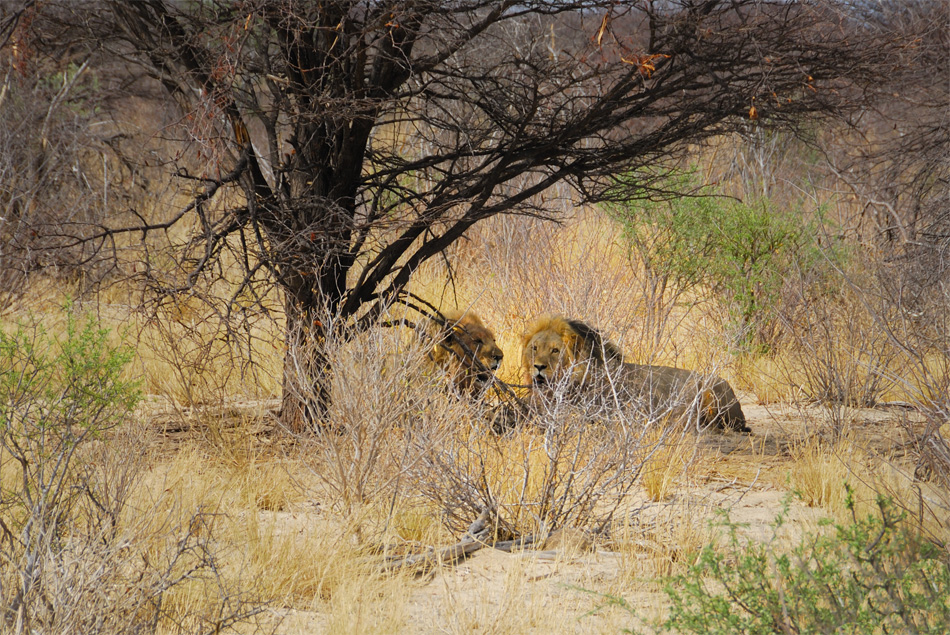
(873, 575)
(740, 251)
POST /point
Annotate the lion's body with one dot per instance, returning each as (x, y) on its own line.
(710, 398)
(563, 354)
(465, 349)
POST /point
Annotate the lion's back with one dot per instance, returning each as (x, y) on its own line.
(667, 386)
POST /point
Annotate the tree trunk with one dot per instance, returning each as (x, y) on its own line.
(307, 371)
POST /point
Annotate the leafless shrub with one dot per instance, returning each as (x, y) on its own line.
(573, 464)
(130, 581)
(396, 432)
(923, 335)
(57, 174)
(877, 340)
(384, 396)
(198, 359)
(893, 161)
(837, 354)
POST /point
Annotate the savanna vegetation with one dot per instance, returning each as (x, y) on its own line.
(231, 230)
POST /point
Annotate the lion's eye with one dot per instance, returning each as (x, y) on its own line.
(555, 351)
(534, 348)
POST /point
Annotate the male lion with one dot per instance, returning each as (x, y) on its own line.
(558, 351)
(464, 348)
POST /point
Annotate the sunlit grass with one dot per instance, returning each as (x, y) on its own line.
(274, 507)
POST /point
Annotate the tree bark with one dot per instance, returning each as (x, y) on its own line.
(307, 370)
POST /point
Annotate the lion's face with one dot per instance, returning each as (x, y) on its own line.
(454, 353)
(547, 358)
(558, 351)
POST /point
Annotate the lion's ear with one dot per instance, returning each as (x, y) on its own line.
(445, 332)
(572, 340)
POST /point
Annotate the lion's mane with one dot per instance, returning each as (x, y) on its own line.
(465, 349)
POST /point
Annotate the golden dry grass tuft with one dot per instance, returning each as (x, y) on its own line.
(669, 459)
(823, 471)
(819, 473)
(662, 541)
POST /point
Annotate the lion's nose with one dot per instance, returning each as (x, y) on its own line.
(540, 367)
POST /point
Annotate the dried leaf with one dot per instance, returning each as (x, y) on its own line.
(603, 27)
(644, 63)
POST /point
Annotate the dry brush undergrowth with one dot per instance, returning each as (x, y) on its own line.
(201, 510)
(196, 514)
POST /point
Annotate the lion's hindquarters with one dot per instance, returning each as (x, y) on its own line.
(675, 390)
(727, 411)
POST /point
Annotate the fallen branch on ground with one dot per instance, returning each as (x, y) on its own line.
(472, 541)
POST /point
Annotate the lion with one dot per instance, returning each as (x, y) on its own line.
(465, 349)
(561, 352)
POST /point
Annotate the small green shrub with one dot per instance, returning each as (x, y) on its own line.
(79, 553)
(873, 575)
(56, 395)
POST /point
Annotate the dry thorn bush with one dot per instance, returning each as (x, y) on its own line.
(388, 409)
(570, 465)
(192, 356)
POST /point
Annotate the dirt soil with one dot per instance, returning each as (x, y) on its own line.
(566, 588)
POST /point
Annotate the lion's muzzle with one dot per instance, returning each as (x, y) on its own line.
(538, 377)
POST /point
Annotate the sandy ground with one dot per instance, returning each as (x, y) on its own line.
(566, 589)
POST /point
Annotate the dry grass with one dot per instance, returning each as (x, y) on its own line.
(662, 541)
(511, 607)
(669, 460)
(300, 523)
(822, 471)
(298, 557)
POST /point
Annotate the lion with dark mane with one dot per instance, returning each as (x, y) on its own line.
(465, 350)
(560, 353)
